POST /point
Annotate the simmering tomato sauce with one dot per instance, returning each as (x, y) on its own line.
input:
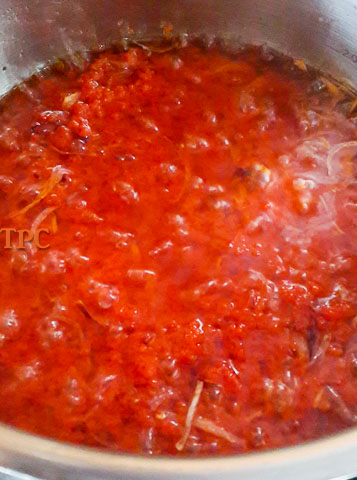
(198, 295)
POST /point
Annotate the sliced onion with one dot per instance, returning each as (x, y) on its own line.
(56, 176)
(321, 349)
(208, 426)
(340, 406)
(190, 415)
(41, 217)
(336, 149)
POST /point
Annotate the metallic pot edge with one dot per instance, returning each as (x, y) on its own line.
(331, 457)
(35, 32)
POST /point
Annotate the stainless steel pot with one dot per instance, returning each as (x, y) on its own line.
(34, 32)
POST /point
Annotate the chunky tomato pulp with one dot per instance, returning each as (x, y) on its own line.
(199, 294)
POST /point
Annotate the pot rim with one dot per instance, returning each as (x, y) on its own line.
(21, 443)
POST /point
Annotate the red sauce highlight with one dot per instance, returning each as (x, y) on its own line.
(199, 295)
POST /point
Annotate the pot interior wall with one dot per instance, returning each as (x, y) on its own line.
(34, 32)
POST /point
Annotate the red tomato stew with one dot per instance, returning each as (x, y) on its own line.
(198, 292)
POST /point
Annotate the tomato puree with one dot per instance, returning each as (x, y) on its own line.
(199, 292)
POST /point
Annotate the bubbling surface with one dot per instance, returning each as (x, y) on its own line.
(199, 294)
